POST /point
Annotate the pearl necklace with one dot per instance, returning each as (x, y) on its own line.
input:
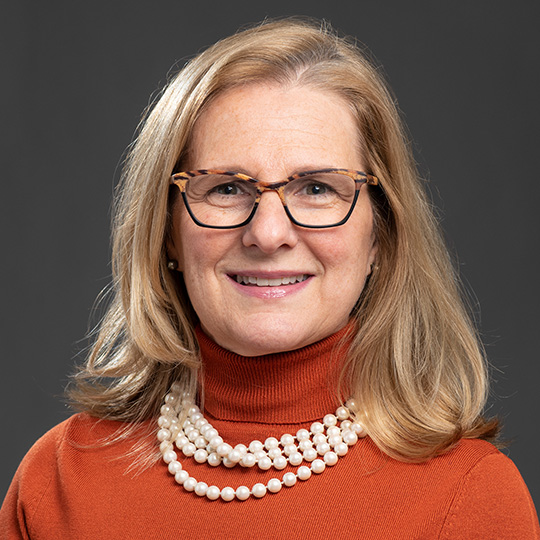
(197, 438)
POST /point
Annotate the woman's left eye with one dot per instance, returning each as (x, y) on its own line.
(316, 189)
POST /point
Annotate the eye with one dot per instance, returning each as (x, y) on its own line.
(226, 189)
(316, 189)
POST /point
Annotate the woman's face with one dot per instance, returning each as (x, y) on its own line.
(271, 132)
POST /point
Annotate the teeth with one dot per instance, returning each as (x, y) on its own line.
(270, 282)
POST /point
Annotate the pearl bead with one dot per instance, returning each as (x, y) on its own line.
(242, 448)
(333, 431)
(341, 449)
(330, 458)
(346, 424)
(223, 449)
(196, 417)
(255, 446)
(181, 477)
(166, 410)
(169, 455)
(164, 446)
(270, 443)
(304, 473)
(193, 410)
(290, 449)
(302, 434)
(289, 479)
(170, 399)
(174, 467)
(235, 456)
(280, 463)
(318, 466)
(204, 430)
(201, 423)
(265, 463)
(211, 433)
(228, 463)
(258, 490)
(213, 459)
(359, 429)
(227, 494)
(190, 483)
(274, 485)
(163, 435)
(351, 405)
(181, 441)
(242, 493)
(317, 427)
(323, 448)
(329, 420)
(194, 435)
(342, 413)
(260, 454)
(189, 449)
(200, 442)
(213, 493)
(164, 422)
(201, 488)
(319, 438)
(273, 453)
(248, 460)
(350, 438)
(215, 441)
(200, 456)
(296, 458)
(286, 439)
(310, 454)
(305, 444)
(335, 440)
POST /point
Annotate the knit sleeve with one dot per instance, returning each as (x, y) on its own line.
(29, 486)
(493, 502)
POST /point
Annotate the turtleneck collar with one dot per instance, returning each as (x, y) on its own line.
(285, 388)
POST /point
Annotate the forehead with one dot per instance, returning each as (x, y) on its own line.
(266, 126)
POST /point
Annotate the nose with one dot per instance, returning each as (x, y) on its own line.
(270, 227)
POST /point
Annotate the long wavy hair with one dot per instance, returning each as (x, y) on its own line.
(415, 367)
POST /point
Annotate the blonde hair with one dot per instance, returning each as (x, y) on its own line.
(415, 366)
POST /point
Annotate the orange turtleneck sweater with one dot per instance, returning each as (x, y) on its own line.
(69, 487)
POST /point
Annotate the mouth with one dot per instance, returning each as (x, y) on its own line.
(254, 281)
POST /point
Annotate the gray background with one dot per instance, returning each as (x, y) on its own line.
(75, 79)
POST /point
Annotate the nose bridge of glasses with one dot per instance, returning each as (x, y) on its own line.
(277, 187)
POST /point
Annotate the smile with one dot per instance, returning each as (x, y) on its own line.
(269, 282)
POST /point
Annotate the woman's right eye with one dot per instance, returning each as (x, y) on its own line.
(226, 190)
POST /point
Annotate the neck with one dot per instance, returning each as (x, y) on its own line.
(291, 387)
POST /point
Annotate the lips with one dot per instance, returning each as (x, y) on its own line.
(255, 281)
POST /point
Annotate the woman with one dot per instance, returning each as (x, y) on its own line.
(276, 262)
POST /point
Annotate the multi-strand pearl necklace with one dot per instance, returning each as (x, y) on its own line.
(196, 437)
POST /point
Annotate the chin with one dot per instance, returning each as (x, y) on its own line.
(270, 339)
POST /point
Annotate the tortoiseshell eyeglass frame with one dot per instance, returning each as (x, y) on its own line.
(181, 179)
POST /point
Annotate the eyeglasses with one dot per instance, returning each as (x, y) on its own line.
(313, 199)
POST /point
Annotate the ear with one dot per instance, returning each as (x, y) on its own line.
(173, 242)
(372, 258)
(173, 256)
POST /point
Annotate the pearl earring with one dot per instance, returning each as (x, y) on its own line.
(172, 265)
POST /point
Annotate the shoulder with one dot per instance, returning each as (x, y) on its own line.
(45, 464)
(490, 495)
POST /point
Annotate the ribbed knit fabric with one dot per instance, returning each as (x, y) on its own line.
(71, 487)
